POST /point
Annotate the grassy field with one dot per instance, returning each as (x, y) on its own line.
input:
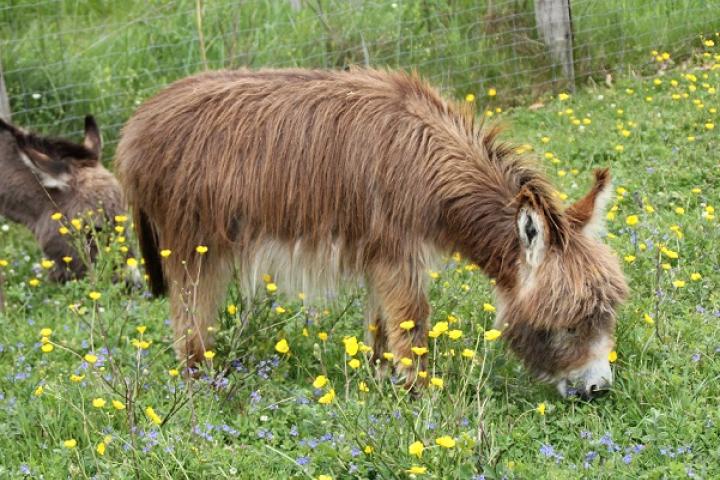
(100, 396)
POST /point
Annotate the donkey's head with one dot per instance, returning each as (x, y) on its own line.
(53, 160)
(559, 316)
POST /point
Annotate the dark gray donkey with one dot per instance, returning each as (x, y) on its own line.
(42, 177)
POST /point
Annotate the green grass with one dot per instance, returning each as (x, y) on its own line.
(662, 411)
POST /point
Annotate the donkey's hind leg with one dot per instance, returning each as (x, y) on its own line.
(194, 302)
(375, 336)
(401, 296)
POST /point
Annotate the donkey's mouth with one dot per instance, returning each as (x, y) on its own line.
(583, 390)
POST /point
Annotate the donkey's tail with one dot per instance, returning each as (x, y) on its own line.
(149, 247)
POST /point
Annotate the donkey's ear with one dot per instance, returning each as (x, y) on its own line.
(532, 226)
(93, 139)
(51, 172)
(588, 213)
(39, 158)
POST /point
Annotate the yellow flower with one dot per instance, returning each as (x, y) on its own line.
(710, 126)
(39, 390)
(467, 353)
(98, 402)
(45, 332)
(141, 329)
(271, 287)
(76, 223)
(165, 253)
(541, 408)
(441, 327)
(445, 441)
(669, 253)
(201, 249)
(648, 319)
(131, 262)
(63, 231)
(416, 448)
(76, 378)
(327, 398)
(416, 470)
(354, 363)
(612, 356)
(563, 96)
(94, 296)
(90, 358)
(47, 264)
(422, 374)
(324, 477)
(434, 275)
(154, 417)
(282, 346)
(455, 334)
(4, 263)
(100, 449)
(680, 211)
(209, 354)
(469, 98)
(118, 405)
(419, 351)
(231, 309)
(679, 283)
(121, 218)
(407, 325)
(279, 310)
(368, 449)
(33, 282)
(388, 356)
(488, 307)
(70, 444)
(632, 220)
(695, 277)
(47, 348)
(323, 336)
(406, 361)
(437, 382)
(351, 345)
(491, 92)
(173, 372)
(56, 216)
(666, 266)
(140, 344)
(492, 335)
(629, 258)
(362, 386)
(696, 191)
(320, 381)
(619, 148)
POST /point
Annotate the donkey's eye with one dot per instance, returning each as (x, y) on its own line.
(530, 231)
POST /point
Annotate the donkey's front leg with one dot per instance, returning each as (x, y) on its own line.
(405, 320)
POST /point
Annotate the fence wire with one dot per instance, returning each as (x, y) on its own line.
(63, 59)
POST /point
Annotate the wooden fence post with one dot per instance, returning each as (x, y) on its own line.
(4, 100)
(5, 115)
(554, 24)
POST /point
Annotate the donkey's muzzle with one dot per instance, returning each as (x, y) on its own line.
(595, 390)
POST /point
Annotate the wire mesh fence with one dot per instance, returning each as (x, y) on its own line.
(63, 58)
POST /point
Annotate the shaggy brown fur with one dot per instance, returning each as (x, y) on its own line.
(42, 176)
(367, 172)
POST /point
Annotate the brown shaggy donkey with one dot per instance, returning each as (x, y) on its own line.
(42, 176)
(364, 174)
